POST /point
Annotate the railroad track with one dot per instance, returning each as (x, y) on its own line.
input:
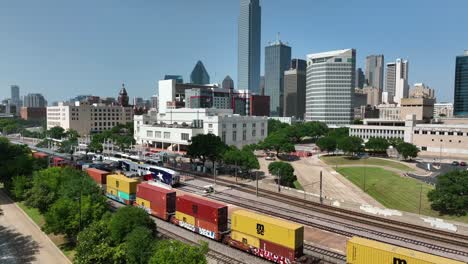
(325, 254)
(380, 222)
(355, 230)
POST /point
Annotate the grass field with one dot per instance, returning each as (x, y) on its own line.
(345, 160)
(38, 218)
(394, 191)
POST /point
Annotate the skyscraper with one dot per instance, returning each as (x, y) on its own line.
(34, 100)
(228, 83)
(249, 35)
(295, 89)
(330, 86)
(460, 103)
(277, 61)
(375, 71)
(360, 78)
(199, 74)
(396, 82)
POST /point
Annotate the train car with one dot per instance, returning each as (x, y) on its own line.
(99, 176)
(155, 200)
(121, 188)
(273, 239)
(365, 251)
(59, 162)
(40, 155)
(208, 218)
(164, 175)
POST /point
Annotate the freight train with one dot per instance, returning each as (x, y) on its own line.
(270, 238)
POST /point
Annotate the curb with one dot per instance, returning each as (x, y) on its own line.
(34, 223)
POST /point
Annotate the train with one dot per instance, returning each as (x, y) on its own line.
(270, 238)
(152, 172)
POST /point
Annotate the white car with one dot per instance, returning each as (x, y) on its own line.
(270, 158)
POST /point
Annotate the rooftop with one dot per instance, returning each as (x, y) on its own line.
(328, 53)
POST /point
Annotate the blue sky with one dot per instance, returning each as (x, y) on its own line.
(64, 48)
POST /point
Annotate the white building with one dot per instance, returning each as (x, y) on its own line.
(396, 83)
(86, 118)
(330, 87)
(443, 110)
(174, 129)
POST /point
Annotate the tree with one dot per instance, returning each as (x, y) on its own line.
(45, 186)
(395, 142)
(450, 195)
(285, 172)
(243, 158)
(339, 132)
(279, 142)
(377, 144)
(407, 150)
(125, 220)
(19, 186)
(294, 132)
(327, 143)
(95, 246)
(14, 160)
(206, 147)
(176, 252)
(56, 132)
(275, 125)
(314, 129)
(350, 144)
(139, 245)
(357, 122)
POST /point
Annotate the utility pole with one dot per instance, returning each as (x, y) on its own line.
(256, 179)
(321, 188)
(279, 179)
(235, 170)
(214, 176)
(420, 198)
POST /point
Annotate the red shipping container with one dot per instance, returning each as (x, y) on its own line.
(58, 162)
(209, 211)
(98, 176)
(277, 253)
(208, 229)
(163, 201)
(40, 155)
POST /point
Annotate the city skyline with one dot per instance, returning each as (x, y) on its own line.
(75, 54)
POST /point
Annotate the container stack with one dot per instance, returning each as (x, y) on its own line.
(205, 217)
(267, 237)
(121, 188)
(99, 176)
(155, 200)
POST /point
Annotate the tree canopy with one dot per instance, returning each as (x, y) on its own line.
(327, 144)
(285, 171)
(350, 144)
(377, 144)
(206, 147)
(407, 150)
(278, 141)
(175, 252)
(450, 195)
(126, 219)
(121, 135)
(244, 158)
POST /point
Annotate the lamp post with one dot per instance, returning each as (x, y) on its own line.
(313, 183)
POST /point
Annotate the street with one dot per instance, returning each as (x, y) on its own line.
(21, 240)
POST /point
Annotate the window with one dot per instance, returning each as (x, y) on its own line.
(262, 132)
(244, 135)
(185, 136)
(234, 125)
(157, 134)
(167, 135)
(416, 132)
(423, 148)
(117, 184)
(424, 132)
(244, 125)
(450, 133)
(223, 136)
(254, 133)
(234, 136)
(433, 132)
(149, 133)
(210, 125)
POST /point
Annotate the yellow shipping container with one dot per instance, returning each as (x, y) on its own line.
(143, 202)
(122, 183)
(364, 251)
(246, 239)
(281, 232)
(111, 190)
(185, 218)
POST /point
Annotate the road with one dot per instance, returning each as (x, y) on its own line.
(21, 240)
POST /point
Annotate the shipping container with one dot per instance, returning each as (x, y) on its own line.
(365, 251)
(281, 232)
(99, 176)
(144, 204)
(119, 196)
(122, 183)
(185, 219)
(163, 201)
(277, 253)
(245, 239)
(205, 210)
(58, 162)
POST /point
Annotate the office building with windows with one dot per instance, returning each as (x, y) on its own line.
(295, 90)
(396, 82)
(34, 100)
(277, 61)
(228, 83)
(360, 79)
(174, 129)
(460, 104)
(330, 87)
(199, 74)
(249, 36)
(375, 71)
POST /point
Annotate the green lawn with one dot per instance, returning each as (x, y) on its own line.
(394, 191)
(297, 185)
(345, 160)
(35, 215)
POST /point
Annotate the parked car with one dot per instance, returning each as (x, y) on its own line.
(462, 163)
(455, 163)
(270, 158)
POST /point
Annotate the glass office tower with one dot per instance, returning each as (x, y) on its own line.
(460, 100)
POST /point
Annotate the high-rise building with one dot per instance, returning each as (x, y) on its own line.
(15, 94)
(460, 103)
(178, 78)
(262, 85)
(330, 86)
(420, 90)
(123, 96)
(295, 89)
(228, 83)
(249, 35)
(34, 100)
(375, 71)
(396, 84)
(199, 74)
(154, 102)
(360, 78)
(277, 61)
